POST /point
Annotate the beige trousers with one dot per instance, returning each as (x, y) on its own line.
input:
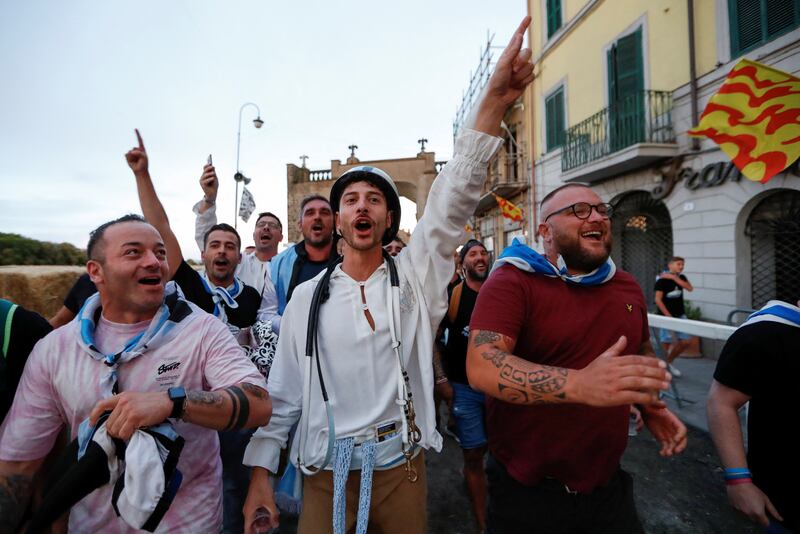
(397, 505)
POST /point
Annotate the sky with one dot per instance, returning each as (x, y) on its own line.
(79, 76)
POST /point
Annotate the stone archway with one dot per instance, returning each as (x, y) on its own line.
(641, 228)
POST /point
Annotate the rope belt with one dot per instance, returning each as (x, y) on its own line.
(342, 456)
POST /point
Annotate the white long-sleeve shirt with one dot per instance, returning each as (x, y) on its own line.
(358, 364)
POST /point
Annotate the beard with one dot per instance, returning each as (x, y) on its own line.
(477, 275)
(577, 257)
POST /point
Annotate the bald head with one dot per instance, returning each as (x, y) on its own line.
(556, 199)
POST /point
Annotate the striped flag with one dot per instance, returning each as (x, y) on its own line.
(509, 210)
(754, 117)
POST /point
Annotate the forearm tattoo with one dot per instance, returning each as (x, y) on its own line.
(15, 491)
(240, 410)
(542, 386)
(257, 392)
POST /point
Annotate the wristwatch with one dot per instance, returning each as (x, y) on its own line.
(178, 397)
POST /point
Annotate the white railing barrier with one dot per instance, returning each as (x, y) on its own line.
(687, 326)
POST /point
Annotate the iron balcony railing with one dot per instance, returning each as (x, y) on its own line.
(642, 117)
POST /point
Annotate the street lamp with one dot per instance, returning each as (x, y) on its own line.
(239, 177)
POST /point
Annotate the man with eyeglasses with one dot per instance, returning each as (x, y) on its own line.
(559, 344)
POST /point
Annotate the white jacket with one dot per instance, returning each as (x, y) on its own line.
(424, 267)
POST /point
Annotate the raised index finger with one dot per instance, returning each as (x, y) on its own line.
(139, 138)
(515, 44)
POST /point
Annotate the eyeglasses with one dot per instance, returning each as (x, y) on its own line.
(583, 210)
(269, 224)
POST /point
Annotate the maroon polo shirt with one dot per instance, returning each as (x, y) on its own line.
(564, 325)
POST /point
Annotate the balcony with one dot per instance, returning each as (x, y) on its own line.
(506, 179)
(632, 133)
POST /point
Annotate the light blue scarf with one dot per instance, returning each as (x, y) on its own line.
(526, 259)
(169, 320)
(227, 296)
(776, 311)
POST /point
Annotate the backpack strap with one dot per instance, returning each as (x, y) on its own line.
(6, 315)
(455, 301)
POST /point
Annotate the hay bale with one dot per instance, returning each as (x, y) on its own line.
(40, 288)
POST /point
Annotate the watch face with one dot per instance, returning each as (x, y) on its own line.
(176, 393)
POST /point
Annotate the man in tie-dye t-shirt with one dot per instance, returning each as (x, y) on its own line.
(64, 383)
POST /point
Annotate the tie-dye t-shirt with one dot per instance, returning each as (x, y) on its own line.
(61, 385)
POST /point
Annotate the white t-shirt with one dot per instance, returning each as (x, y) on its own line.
(61, 385)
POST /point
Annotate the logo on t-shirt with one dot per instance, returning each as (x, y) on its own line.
(630, 307)
(166, 367)
(168, 372)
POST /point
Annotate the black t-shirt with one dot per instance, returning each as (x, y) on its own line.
(762, 360)
(27, 328)
(673, 295)
(454, 358)
(82, 290)
(309, 269)
(192, 286)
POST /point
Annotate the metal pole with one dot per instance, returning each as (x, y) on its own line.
(238, 145)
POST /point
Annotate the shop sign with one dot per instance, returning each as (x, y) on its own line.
(712, 175)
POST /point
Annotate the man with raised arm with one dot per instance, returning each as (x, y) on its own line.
(163, 357)
(364, 408)
(559, 343)
(218, 291)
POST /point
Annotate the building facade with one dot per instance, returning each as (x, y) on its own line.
(619, 83)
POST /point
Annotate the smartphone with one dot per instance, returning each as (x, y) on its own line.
(209, 160)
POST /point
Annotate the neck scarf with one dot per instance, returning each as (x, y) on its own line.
(776, 311)
(226, 295)
(168, 321)
(526, 259)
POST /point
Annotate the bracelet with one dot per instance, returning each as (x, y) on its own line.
(440, 380)
(734, 482)
(737, 473)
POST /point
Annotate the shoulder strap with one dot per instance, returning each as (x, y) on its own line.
(455, 301)
(6, 315)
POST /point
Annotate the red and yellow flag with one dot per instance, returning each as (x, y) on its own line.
(755, 120)
(509, 210)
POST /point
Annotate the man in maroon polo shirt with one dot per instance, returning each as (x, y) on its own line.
(566, 332)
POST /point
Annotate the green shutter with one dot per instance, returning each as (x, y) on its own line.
(554, 120)
(553, 17)
(755, 22)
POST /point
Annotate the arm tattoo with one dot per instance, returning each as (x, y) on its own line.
(15, 490)
(254, 390)
(241, 408)
(234, 410)
(485, 337)
(204, 397)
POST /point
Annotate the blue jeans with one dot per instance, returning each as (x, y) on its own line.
(235, 478)
(469, 409)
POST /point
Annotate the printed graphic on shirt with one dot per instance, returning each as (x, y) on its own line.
(407, 299)
(168, 371)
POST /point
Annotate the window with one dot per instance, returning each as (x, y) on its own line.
(554, 119)
(754, 22)
(553, 17)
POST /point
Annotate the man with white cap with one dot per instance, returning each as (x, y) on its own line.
(353, 366)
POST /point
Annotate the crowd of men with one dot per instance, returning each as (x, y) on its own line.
(319, 369)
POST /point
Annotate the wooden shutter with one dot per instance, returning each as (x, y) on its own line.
(553, 17)
(754, 22)
(554, 117)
